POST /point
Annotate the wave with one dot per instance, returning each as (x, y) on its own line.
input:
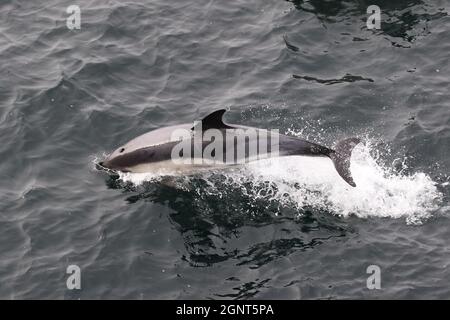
(307, 182)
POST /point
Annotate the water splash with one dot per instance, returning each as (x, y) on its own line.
(379, 192)
(307, 182)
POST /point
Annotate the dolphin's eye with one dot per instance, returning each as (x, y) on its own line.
(122, 150)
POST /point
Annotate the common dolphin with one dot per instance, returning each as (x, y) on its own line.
(154, 150)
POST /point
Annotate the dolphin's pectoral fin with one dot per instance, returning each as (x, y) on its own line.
(180, 184)
(341, 158)
(170, 182)
(212, 121)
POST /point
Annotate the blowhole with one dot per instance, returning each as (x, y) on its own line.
(122, 150)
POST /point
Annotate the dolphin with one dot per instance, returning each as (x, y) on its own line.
(155, 150)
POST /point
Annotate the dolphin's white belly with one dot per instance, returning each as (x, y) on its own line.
(170, 167)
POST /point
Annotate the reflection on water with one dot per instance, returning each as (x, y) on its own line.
(406, 19)
(213, 224)
(346, 78)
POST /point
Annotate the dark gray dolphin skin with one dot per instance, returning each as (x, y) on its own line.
(154, 151)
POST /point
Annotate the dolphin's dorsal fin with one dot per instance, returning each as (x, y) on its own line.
(213, 121)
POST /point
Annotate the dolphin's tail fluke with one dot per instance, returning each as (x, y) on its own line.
(341, 158)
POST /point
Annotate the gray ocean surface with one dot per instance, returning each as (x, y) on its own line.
(282, 229)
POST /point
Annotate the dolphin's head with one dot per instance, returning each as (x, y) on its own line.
(133, 157)
(118, 160)
(136, 154)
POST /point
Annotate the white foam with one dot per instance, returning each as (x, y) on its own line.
(379, 192)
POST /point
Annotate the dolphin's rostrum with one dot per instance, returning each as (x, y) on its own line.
(212, 143)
